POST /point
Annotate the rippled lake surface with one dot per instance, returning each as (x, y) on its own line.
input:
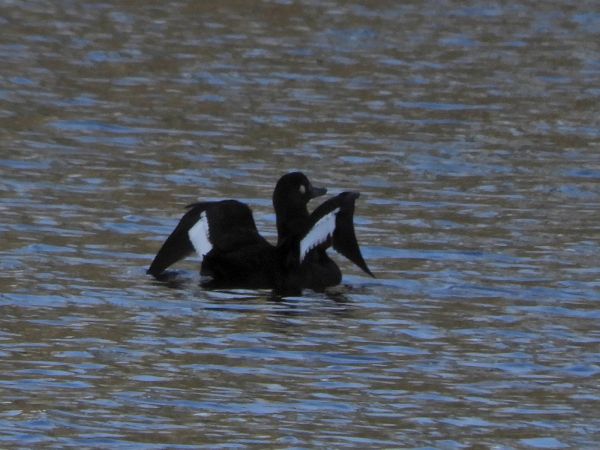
(471, 130)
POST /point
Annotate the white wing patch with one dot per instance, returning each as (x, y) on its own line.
(319, 233)
(199, 236)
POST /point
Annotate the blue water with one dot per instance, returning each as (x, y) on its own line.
(471, 132)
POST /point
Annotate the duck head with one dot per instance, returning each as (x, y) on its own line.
(292, 193)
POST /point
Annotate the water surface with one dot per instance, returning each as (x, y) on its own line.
(471, 131)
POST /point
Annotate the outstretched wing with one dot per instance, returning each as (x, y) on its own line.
(225, 226)
(332, 224)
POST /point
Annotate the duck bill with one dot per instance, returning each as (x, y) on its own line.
(317, 191)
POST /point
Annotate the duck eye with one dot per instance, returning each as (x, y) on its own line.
(302, 189)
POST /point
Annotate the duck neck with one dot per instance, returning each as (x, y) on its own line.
(291, 220)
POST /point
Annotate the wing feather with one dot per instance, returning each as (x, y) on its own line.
(178, 245)
(332, 224)
(223, 226)
(319, 233)
(199, 236)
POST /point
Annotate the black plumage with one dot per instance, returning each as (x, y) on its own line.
(234, 254)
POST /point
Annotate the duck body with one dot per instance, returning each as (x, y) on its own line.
(235, 255)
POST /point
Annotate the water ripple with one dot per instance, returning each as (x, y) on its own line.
(472, 144)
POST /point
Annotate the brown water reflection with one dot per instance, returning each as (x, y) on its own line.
(471, 131)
